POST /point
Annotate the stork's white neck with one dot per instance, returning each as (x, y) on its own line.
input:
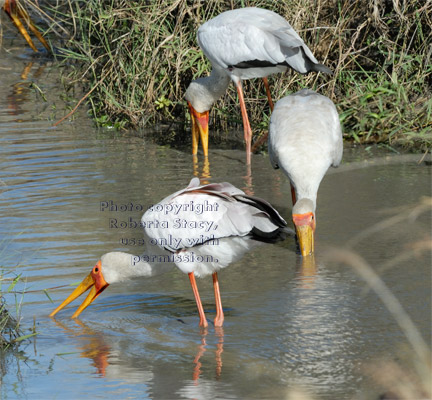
(119, 266)
(204, 91)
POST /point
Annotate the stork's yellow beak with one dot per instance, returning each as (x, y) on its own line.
(95, 281)
(200, 123)
(305, 229)
(16, 13)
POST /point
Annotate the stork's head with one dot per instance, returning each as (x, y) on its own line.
(200, 96)
(111, 268)
(303, 215)
(95, 281)
(200, 122)
(200, 99)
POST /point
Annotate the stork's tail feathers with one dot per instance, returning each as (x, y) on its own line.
(278, 235)
(322, 68)
(265, 206)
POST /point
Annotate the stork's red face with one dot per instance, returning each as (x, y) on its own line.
(305, 229)
(200, 123)
(95, 281)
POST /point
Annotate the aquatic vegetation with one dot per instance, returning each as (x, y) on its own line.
(138, 58)
(10, 329)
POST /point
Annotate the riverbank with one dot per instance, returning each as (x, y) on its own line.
(137, 61)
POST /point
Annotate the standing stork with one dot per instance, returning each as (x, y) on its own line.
(305, 139)
(243, 44)
(200, 229)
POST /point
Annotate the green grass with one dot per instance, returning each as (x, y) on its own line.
(139, 57)
(10, 331)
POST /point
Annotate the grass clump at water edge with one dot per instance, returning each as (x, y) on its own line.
(138, 59)
(10, 332)
(9, 327)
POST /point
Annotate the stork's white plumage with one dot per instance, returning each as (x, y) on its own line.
(243, 44)
(200, 229)
(305, 139)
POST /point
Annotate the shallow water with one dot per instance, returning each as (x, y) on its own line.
(288, 324)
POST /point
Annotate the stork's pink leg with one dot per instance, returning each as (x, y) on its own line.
(267, 88)
(219, 311)
(246, 125)
(203, 321)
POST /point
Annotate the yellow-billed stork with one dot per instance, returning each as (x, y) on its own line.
(305, 139)
(242, 44)
(200, 229)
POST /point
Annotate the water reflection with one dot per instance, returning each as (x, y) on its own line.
(204, 175)
(112, 361)
(90, 343)
(306, 272)
(319, 327)
(219, 333)
(20, 91)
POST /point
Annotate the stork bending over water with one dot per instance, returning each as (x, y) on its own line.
(305, 139)
(243, 44)
(201, 229)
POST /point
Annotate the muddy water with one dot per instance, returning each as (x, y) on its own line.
(289, 325)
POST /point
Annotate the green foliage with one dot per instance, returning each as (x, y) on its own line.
(139, 58)
(10, 331)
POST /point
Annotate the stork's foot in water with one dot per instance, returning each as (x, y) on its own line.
(17, 13)
(218, 321)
